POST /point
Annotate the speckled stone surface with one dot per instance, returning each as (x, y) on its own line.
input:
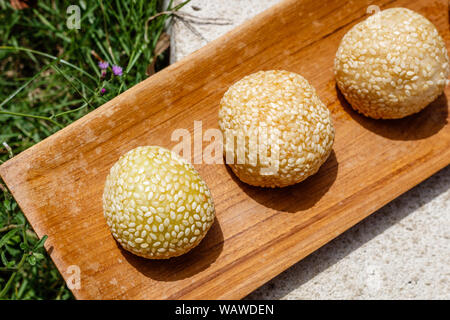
(402, 251)
(234, 12)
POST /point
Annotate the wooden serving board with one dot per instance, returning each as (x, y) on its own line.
(258, 233)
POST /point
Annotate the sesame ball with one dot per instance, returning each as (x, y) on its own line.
(279, 112)
(156, 204)
(392, 64)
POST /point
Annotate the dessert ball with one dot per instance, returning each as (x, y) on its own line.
(392, 65)
(285, 131)
(156, 204)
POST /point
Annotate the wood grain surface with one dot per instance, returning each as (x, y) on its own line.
(258, 233)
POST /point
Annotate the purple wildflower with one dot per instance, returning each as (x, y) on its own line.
(103, 65)
(117, 70)
(103, 73)
(103, 90)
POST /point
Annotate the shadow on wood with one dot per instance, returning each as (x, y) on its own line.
(298, 197)
(185, 266)
(418, 126)
(330, 254)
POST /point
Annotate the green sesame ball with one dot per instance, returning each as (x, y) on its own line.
(156, 204)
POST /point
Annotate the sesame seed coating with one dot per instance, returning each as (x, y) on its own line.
(300, 133)
(156, 204)
(392, 64)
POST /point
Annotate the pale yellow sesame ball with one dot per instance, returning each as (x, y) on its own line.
(299, 131)
(156, 204)
(392, 64)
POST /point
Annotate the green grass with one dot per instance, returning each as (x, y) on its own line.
(49, 77)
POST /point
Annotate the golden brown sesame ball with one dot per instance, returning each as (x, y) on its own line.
(392, 64)
(299, 131)
(156, 204)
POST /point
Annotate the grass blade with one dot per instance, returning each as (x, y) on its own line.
(8, 236)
